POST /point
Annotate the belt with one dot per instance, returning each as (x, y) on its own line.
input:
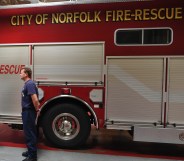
(28, 109)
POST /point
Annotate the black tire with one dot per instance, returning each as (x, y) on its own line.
(66, 126)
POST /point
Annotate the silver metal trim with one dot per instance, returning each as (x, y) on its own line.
(56, 83)
(53, 43)
(71, 2)
(134, 57)
(10, 119)
(164, 94)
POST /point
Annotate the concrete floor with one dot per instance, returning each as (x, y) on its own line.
(13, 154)
(103, 145)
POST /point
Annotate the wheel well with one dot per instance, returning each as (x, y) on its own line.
(72, 100)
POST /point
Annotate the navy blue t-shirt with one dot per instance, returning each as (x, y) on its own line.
(29, 89)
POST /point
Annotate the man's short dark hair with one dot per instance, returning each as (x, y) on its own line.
(28, 71)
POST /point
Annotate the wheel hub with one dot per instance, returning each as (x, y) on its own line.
(66, 126)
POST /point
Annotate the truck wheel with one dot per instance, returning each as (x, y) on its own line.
(66, 125)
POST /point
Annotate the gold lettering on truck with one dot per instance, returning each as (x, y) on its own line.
(97, 16)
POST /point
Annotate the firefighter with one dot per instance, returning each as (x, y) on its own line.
(30, 112)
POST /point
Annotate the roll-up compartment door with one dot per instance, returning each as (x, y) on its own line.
(134, 89)
(12, 59)
(176, 91)
(68, 62)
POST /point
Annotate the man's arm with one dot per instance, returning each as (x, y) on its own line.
(36, 102)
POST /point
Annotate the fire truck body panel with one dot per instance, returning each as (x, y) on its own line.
(12, 59)
(83, 65)
(34, 28)
(150, 82)
(144, 85)
(111, 64)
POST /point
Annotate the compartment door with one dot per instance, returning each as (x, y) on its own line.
(11, 60)
(69, 62)
(176, 91)
(134, 89)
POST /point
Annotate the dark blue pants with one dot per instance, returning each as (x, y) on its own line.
(30, 132)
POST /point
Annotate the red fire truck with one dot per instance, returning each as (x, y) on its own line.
(112, 64)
